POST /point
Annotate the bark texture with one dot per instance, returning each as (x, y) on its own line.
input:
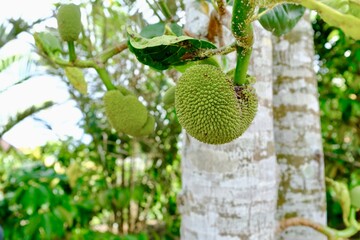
(297, 132)
(229, 191)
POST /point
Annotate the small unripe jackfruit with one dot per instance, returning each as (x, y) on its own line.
(69, 22)
(210, 108)
(127, 114)
(169, 96)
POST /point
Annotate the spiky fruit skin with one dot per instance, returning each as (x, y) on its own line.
(69, 22)
(248, 102)
(208, 107)
(127, 114)
(355, 196)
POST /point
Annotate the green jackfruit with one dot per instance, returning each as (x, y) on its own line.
(148, 128)
(124, 91)
(248, 103)
(169, 96)
(69, 22)
(210, 108)
(127, 114)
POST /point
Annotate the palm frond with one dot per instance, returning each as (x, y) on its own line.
(8, 61)
(24, 114)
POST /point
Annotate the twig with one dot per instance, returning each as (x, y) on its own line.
(219, 51)
(331, 233)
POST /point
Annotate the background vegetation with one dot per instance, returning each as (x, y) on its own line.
(119, 187)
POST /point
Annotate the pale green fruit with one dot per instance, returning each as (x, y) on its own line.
(69, 22)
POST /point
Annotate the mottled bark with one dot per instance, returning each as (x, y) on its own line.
(229, 191)
(297, 132)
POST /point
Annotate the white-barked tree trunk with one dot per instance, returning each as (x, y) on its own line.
(297, 131)
(230, 191)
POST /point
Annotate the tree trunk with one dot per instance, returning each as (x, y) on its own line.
(230, 191)
(297, 132)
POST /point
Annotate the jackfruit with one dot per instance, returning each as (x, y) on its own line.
(124, 91)
(69, 22)
(127, 114)
(169, 96)
(248, 102)
(210, 108)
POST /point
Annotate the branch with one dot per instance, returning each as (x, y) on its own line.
(165, 10)
(107, 54)
(243, 11)
(219, 51)
(331, 233)
(298, 221)
(100, 59)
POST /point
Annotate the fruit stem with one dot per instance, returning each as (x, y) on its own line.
(72, 54)
(105, 78)
(165, 10)
(242, 64)
(243, 11)
(206, 53)
(108, 53)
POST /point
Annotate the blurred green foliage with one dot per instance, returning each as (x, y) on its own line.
(338, 59)
(112, 186)
(118, 187)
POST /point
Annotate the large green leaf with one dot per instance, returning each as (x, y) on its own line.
(33, 226)
(47, 43)
(344, 14)
(164, 51)
(153, 30)
(175, 28)
(282, 18)
(351, 7)
(340, 5)
(76, 78)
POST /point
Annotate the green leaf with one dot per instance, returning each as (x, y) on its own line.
(33, 198)
(343, 195)
(354, 8)
(355, 196)
(167, 50)
(138, 193)
(47, 43)
(176, 29)
(342, 14)
(340, 5)
(153, 30)
(76, 78)
(52, 226)
(33, 225)
(63, 214)
(282, 18)
(122, 197)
